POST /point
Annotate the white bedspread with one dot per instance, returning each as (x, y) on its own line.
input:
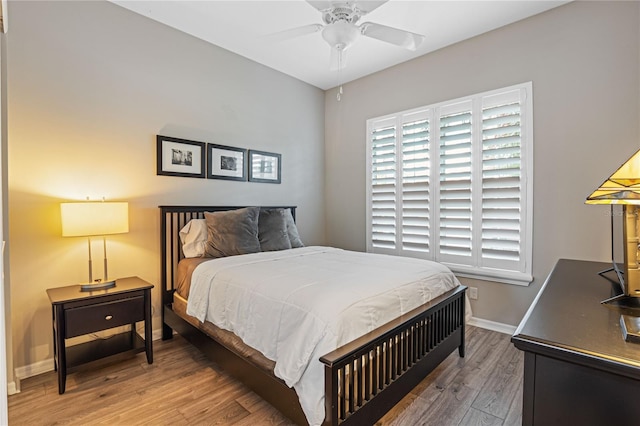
(296, 305)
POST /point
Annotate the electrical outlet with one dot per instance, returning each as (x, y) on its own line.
(473, 293)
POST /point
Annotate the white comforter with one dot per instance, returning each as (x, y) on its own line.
(296, 305)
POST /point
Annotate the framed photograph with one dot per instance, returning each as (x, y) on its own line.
(180, 157)
(264, 166)
(226, 162)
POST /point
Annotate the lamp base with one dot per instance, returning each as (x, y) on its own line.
(624, 301)
(629, 309)
(98, 285)
(630, 328)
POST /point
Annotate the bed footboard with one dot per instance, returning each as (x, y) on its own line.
(387, 363)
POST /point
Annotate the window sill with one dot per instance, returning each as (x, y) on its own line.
(500, 276)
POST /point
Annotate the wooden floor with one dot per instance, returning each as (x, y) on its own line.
(183, 388)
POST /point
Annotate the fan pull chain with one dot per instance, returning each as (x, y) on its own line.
(339, 94)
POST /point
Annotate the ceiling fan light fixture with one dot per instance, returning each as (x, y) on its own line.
(341, 29)
(340, 35)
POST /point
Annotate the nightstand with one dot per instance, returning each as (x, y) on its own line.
(76, 313)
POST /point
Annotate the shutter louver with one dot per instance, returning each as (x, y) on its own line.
(455, 184)
(501, 182)
(415, 186)
(383, 188)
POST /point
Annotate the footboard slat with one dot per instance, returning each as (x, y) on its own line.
(375, 365)
(368, 389)
(386, 363)
(352, 396)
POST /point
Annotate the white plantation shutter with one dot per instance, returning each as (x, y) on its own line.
(502, 192)
(455, 168)
(452, 182)
(383, 186)
(416, 169)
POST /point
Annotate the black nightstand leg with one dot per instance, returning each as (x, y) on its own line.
(55, 352)
(59, 334)
(148, 330)
(134, 332)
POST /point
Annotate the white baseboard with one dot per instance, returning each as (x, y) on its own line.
(157, 334)
(492, 325)
(34, 369)
(12, 389)
(47, 365)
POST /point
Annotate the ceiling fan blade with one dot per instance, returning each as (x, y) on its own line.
(321, 5)
(402, 38)
(367, 6)
(295, 32)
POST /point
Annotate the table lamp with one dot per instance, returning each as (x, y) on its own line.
(623, 187)
(90, 219)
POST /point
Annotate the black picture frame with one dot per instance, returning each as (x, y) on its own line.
(180, 157)
(264, 167)
(226, 162)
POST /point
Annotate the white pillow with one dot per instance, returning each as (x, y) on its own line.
(194, 238)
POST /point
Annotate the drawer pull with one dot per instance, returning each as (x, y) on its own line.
(108, 317)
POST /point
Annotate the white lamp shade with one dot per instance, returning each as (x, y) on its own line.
(94, 218)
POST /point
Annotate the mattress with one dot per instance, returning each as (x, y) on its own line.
(227, 338)
(184, 273)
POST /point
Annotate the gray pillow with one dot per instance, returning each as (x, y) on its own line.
(272, 230)
(232, 232)
(292, 230)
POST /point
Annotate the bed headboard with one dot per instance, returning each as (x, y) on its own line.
(172, 219)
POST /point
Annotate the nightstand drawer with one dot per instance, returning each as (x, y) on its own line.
(88, 319)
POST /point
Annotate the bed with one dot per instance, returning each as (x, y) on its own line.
(362, 378)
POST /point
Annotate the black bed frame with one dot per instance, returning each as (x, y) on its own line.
(363, 379)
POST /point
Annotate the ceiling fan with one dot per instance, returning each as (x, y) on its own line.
(341, 28)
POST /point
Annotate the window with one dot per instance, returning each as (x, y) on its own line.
(452, 182)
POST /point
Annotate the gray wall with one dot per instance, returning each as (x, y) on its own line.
(90, 85)
(583, 59)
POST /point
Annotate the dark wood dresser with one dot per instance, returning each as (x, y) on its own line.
(578, 370)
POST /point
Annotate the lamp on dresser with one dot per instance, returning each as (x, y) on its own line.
(623, 187)
(91, 219)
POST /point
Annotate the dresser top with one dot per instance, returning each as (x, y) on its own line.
(567, 319)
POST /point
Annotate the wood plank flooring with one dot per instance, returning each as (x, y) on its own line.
(182, 387)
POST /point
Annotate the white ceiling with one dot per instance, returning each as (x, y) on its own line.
(242, 26)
